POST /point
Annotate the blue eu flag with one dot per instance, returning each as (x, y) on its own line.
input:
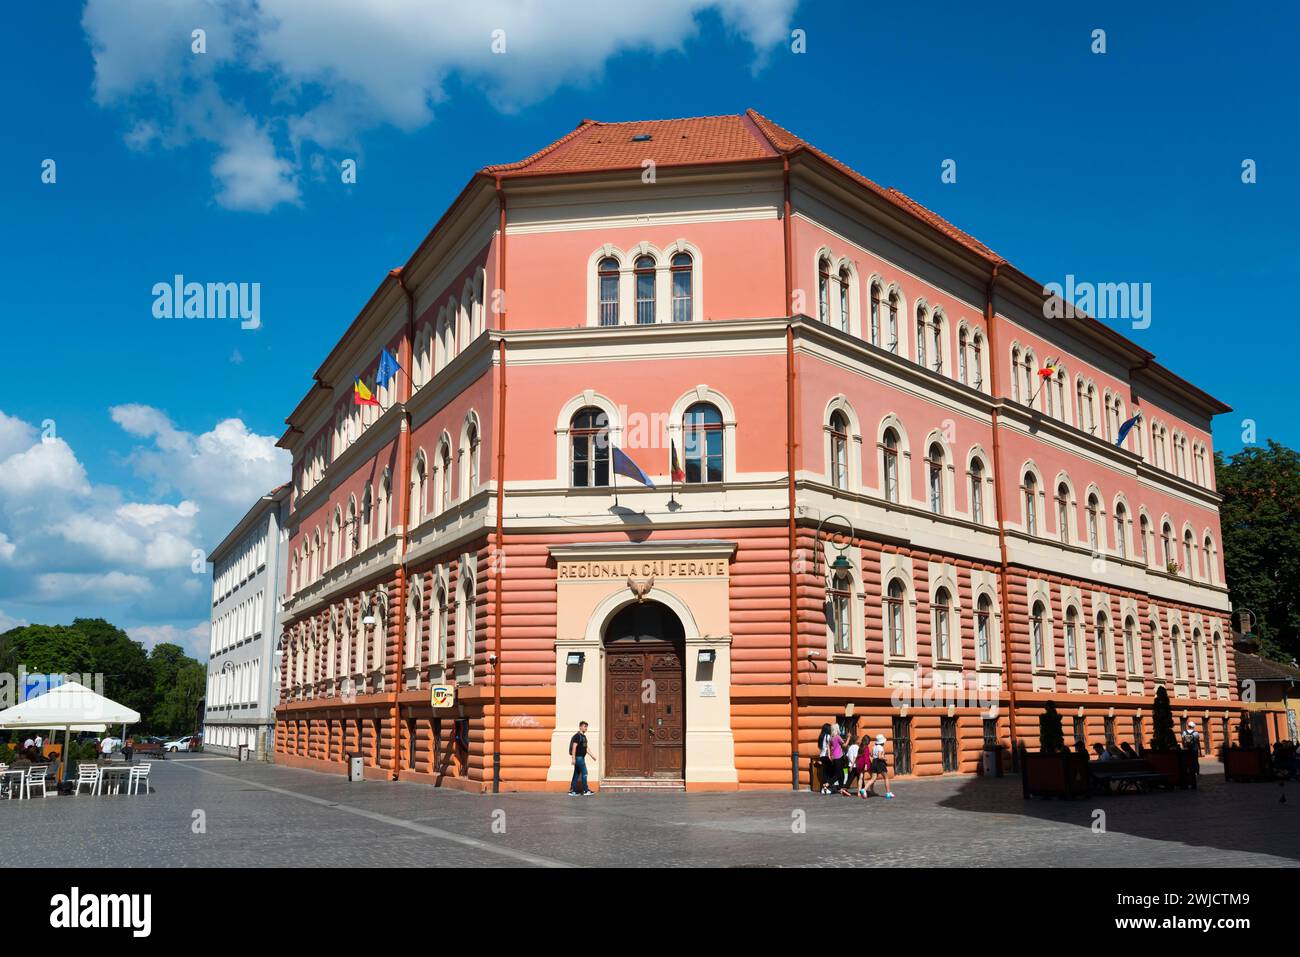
(388, 368)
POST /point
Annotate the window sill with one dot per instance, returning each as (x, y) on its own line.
(948, 666)
(989, 667)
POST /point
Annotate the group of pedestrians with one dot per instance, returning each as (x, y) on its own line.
(846, 762)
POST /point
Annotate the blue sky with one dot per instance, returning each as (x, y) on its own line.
(222, 166)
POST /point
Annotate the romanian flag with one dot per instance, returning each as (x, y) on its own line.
(361, 395)
(678, 473)
(1049, 369)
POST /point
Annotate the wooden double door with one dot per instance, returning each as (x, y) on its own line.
(645, 716)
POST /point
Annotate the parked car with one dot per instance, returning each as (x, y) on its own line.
(178, 744)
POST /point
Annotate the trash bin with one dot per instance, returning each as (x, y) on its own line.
(993, 762)
(243, 753)
(355, 772)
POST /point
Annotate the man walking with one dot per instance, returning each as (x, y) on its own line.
(578, 757)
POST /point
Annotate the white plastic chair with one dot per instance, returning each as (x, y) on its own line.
(87, 774)
(139, 775)
(36, 779)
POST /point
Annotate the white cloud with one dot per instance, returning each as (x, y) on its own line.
(46, 467)
(72, 547)
(194, 639)
(229, 465)
(7, 621)
(328, 70)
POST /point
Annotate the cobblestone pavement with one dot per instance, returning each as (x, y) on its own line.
(259, 815)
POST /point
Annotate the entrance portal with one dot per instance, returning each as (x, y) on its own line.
(645, 716)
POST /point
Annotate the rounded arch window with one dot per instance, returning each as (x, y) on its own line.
(608, 277)
(702, 441)
(644, 273)
(839, 435)
(683, 287)
(589, 447)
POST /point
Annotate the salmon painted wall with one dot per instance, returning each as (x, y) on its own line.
(753, 384)
(741, 269)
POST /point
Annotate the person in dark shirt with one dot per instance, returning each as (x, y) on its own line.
(578, 756)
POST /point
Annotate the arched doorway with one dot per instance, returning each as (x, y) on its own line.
(645, 718)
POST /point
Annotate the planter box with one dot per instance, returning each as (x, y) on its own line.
(1054, 775)
(1247, 764)
(1178, 767)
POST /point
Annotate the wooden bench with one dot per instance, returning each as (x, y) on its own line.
(1134, 774)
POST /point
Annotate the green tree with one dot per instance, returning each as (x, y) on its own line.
(42, 649)
(1051, 738)
(123, 662)
(1261, 541)
(1162, 723)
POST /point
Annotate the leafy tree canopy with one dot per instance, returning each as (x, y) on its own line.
(1260, 486)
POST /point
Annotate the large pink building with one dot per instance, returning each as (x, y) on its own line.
(887, 513)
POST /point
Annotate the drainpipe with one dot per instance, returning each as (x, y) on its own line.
(786, 230)
(501, 492)
(406, 349)
(794, 578)
(994, 358)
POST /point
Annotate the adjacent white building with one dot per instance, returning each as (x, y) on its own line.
(243, 671)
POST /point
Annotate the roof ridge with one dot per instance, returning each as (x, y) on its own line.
(520, 164)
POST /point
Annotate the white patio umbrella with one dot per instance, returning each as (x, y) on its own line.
(70, 706)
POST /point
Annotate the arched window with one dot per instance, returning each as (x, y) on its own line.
(352, 534)
(419, 483)
(367, 515)
(894, 619)
(1176, 648)
(683, 287)
(1220, 664)
(934, 477)
(414, 623)
(1103, 642)
(961, 355)
(1094, 543)
(1031, 504)
(1071, 639)
(839, 429)
(824, 290)
(1189, 558)
(589, 448)
(1015, 375)
(702, 437)
(1080, 402)
(977, 491)
(936, 331)
(840, 601)
(644, 271)
(1198, 655)
(845, 281)
(889, 464)
(1167, 541)
(1121, 530)
(1157, 648)
(1063, 512)
(920, 336)
(1132, 664)
(472, 447)
(983, 634)
(444, 468)
(1092, 409)
(977, 361)
(385, 517)
(466, 614)
(875, 314)
(438, 633)
(892, 333)
(1144, 536)
(1036, 634)
(1211, 560)
(942, 632)
(608, 275)
(336, 537)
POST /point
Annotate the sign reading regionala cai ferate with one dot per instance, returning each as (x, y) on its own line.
(659, 568)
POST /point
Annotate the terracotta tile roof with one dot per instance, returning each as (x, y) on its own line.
(1263, 669)
(594, 146)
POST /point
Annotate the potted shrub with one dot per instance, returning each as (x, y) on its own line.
(1054, 770)
(1172, 567)
(1246, 762)
(1178, 765)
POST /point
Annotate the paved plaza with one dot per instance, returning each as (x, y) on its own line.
(258, 815)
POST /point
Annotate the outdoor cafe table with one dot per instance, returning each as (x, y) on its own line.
(121, 772)
(17, 778)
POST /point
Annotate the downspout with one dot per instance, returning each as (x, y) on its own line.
(404, 509)
(794, 578)
(786, 234)
(501, 491)
(999, 498)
